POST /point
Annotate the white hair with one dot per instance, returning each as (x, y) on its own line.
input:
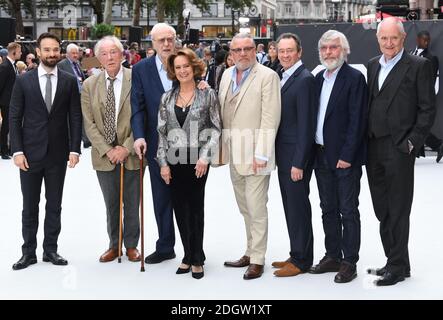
(71, 46)
(332, 35)
(243, 35)
(113, 39)
(399, 24)
(159, 26)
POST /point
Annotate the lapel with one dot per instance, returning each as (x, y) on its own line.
(245, 85)
(152, 70)
(101, 88)
(126, 88)
(336, 89)
(36, 88)
(373, 82)
(397, 74)
(291, 79)
(224, 89)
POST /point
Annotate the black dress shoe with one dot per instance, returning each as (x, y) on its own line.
(389, 279)
(5, 156)
(183, 270)
(158, 257)
(24, 262)
(347, 273)
(381, 271)
(54, 258)
(439, 153)
(326, 264)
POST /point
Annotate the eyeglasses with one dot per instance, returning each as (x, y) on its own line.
(331, 47)
(112, 53)
(167, 39)
(287, 51)
(245, 50)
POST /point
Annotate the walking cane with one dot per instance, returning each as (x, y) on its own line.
(142, 214)
(121, 214)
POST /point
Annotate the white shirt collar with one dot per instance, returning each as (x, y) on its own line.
(291, 70)
(12, 61)
(393, 61)
(328, 76)
(159, 63)
(119, 76)
(42, 72)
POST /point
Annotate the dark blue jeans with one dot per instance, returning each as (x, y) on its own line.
(339, 190)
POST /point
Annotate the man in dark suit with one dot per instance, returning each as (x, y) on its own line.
(71, 65)
(45, 120)
(293, 148)
(401, 112)
(422, 50)
(8, 72)
(340, 152)
(149, 82)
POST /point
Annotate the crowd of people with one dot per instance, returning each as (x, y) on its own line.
(181, 110)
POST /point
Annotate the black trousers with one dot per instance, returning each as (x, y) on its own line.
(188, 201)
(391, 182)
(53, 175)
(339, 190)
(432, 142)
(4, 147)
(298, 214)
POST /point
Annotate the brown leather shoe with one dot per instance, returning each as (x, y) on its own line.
(254, 271)
(347, 273)
(133, 254)
(326, 264)
(240, 263)
(281, 264)
(110, 255)
(289, 270)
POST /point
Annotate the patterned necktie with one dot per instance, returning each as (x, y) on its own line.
(109, 125)
(48, 92)
(77, 70)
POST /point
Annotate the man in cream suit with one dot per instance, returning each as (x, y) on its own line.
(250, 108)
(107, 112)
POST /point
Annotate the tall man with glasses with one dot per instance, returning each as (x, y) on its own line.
(149, 82)
(340, 152)
(250, 107)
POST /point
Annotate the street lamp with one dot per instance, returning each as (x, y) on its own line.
(186, 14)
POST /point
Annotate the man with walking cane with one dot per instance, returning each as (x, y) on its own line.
(107, 111)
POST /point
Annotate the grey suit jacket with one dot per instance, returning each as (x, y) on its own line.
(202, 127)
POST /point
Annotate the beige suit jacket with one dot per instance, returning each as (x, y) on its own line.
(93, 98)
(255, 120)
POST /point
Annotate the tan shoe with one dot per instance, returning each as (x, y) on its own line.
(280, 264)
(110, 255)
(133, 254)
(289, 270)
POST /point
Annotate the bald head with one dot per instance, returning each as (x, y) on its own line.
(391, 37)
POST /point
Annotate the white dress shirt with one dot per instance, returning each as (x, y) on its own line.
(326, 90)
(118, 83)
(387, 66)
(42, 81)
(167, 84)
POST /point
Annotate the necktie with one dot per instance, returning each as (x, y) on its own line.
(109, 125)
(15, 68)
(48, 92)
(77, 70)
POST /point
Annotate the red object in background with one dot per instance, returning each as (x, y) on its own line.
(269, 21)
(263, 31)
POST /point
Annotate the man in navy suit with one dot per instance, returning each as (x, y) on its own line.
(149, 82)
(45, 122)
(293, 151)
(340, 153)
